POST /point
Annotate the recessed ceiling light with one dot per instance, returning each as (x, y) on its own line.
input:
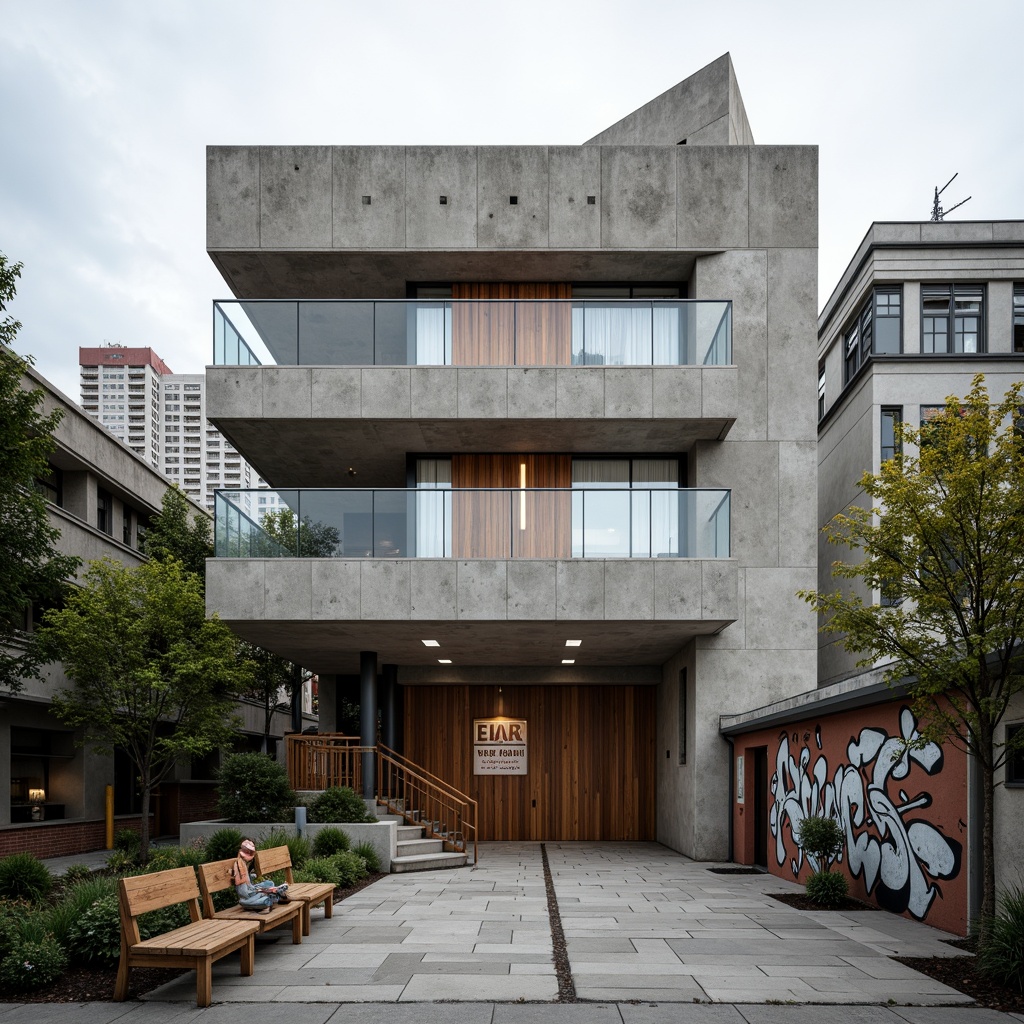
(568, 661)
(431, 643)
(573, 643)
(444, 661)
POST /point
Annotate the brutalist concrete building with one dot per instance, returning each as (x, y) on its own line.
(541, 420)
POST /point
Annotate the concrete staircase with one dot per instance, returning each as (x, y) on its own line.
(417, 852)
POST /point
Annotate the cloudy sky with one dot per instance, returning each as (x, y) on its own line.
(107, 106)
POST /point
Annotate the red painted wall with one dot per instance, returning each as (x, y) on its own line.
(904, 812)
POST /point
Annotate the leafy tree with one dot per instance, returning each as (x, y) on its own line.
(151, 673)
(944, 543)
(178, 533)
(306, 539)
(268, 675)
(31, 569)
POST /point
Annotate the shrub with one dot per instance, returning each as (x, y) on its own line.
(75, 873)
(31, 965)
(254, 788)
(223, 843)
(162, 859)
(1001, 956)
(339, 803)
(62, 919)
(828, 889)
(821, 837)
(127, 840)
(351, 867)
(22, 876)
(12, 914)
(369, 854)
(95, 938)
(330, 841)
(121, 863)
(298, 846)
(320, 869)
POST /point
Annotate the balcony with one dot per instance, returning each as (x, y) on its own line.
(469, 332)
(528, 523)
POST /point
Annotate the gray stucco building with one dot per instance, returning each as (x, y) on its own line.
(521, 396)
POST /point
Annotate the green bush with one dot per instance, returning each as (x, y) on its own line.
(127, 840)
(31, 965)
(22, 876)
(62, 919)
(222, 844)
(298, 846)
(821, 837)
(351, 867)
(330, 841)
(339, 803)
(12, 915)
(75, 873)
(121, 863)
(95, 938)
(828, 889)
(254, 788)
(1001, 956)
(163, 859)
(320, 869)
(369, 854)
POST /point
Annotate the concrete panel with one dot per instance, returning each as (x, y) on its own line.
(482, 590)
(720, 394)
(433, 589)
(430, 173)
(775, 617)
(784, 196)
(628, 393)
(434, 392)
(629, 589)
(386, 392)
(792, 343)
(677, 589)
(234, 390)
(580, 590)
(503, 172)
(733, 637)
(483, 393)
(335, 589)
(235, 588)
(714, 134)
(531, 393)
(574, 173)
(531, 589)
(377, 173)
(956, 231)
(676, 392)
(719, 589)
(579, 392)
(385, 591)
(232, 197)
(999, 336)
(295, 197)
(287, 392)
(798, 503)
(335, 393)
(288, 586)
(743, 277)
(712, 206)
(638, 185)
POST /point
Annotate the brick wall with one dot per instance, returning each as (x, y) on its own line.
(62, 838)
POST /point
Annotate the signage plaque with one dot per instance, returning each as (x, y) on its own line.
(499, 746)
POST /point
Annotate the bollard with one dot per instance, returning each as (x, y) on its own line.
(109, 814)
(300, 819)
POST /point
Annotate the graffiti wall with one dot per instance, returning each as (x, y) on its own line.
(902, 807)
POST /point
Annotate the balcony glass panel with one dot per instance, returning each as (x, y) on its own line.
(464, 332)
(578, 522)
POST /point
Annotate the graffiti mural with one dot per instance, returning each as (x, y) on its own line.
(897, 852)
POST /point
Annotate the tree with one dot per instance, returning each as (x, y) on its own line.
(177, 533)
(31, 569)
(306, 539)
(151, 673)
(269, 675)
(943, 543)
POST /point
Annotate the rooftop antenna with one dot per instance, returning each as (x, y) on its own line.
(937, 212)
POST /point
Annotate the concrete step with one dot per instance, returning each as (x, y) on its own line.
(409, 832)
(428, 862)
(412, 847)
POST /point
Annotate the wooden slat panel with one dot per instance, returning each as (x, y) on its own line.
(591, 758)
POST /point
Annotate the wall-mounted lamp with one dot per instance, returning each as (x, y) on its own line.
(37, 797)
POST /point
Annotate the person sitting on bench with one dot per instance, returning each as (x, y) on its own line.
(253, 895)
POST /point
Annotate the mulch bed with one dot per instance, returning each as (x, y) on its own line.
(96, 984)
(799, 901)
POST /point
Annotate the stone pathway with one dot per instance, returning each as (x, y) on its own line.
(642, 924)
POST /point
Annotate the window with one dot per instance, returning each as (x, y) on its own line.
(1018, 318)
(891, 415)
(104, 512)
(126, 526)
(821, 389)
(682, 716)
(952, 318)
(877, 329)
(1014, 759)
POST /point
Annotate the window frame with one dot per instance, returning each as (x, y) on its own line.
(1014, 762)
(951, 318)
(860, 337)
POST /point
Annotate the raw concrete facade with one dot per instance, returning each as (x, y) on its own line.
(725, 221)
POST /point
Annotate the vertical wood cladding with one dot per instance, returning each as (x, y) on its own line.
(508, 333)
(590, 749)
(515, 523)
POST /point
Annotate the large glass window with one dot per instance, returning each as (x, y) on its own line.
(891, 415)
(877, 329)
(104, 512)
(1018, 318)
(821, 388)
(952, 318)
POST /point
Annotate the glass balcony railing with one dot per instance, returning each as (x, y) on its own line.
(592, 522)
(472, 332)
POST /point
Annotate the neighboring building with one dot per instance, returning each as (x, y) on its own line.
(161, 416)
(102, 496)
(920, 310)
(550, 410)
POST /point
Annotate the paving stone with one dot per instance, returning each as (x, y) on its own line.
(692, 1014)
(566, 1013)
(508, 988)
(812, 1015)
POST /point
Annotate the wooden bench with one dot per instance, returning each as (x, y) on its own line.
(196, 945)
(310, 894)
(216, 876)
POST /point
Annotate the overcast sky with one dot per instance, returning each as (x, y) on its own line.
(107, 106)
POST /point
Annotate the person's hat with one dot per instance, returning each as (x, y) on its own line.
(247, 849)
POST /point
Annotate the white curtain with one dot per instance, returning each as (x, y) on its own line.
(619, 335)
(433, 329)
(433, 508)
